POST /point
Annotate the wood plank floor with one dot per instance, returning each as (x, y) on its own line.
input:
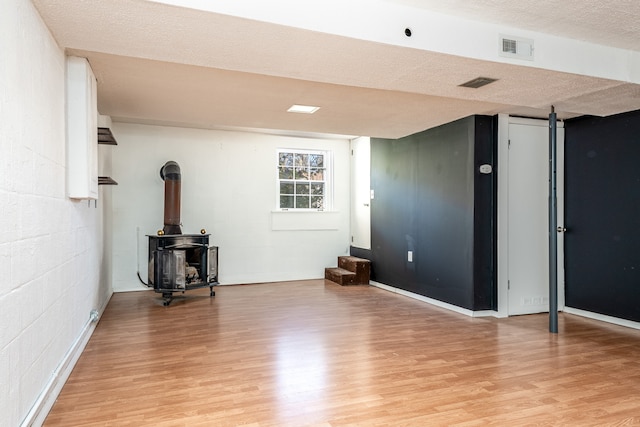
(318, 354)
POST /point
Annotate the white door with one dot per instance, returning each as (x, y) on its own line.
(361, 193)
(528, 215)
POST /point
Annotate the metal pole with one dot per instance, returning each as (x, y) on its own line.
(553, 225)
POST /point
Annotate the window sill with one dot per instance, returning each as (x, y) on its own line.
(305, 220)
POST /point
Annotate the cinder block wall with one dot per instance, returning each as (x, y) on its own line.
(52, 261)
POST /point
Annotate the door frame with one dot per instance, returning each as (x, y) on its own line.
(504, 121)
(361, 195)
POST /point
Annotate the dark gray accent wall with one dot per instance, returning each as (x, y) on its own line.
(602, 215)
(431, 199)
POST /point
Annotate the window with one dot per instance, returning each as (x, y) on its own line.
(303, 180)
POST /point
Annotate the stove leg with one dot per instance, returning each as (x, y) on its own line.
(168, 297)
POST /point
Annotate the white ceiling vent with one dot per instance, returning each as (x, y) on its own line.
(516, 47)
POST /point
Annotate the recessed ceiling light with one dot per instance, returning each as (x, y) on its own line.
(306, 109)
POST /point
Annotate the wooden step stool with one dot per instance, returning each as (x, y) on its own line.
(350, 271)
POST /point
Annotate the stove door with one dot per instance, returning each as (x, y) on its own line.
(212, 264)
(168, 270)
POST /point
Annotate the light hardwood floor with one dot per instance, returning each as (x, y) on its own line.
(319, 354)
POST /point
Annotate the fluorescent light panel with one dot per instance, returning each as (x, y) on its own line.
(305, 109)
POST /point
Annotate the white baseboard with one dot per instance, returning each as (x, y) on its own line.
(437, 303)
(602, 317)
(43, 404)
(491, 313)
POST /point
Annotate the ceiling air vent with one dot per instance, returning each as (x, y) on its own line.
(516, 47)
(509, 46)
(478, 82)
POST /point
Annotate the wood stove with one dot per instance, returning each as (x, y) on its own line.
(179, 262)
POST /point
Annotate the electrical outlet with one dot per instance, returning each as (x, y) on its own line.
(410, 256)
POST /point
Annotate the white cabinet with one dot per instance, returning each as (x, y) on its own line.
(82, 125)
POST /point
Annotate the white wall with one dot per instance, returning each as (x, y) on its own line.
(51, 255)
(228, 188)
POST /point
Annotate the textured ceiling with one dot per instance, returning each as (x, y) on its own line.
(168, 65)
(611, 23)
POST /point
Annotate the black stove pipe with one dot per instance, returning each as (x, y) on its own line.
(170, 174)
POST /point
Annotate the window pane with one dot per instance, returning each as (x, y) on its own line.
(302, 159)
(317, 202)
(286, 188)
(303, 179)
(286, 202)
(317, 174)
(302, 188)
(285, 159)
(285, 172)
(302, 202)
(302, 173)
(316, 160)
(317, 189)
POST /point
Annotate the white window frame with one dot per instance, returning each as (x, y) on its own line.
(328, 179)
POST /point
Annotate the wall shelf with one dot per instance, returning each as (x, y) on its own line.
(106, 137)
(106, 180)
